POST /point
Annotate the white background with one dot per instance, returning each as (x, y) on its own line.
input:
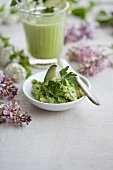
(77, 139)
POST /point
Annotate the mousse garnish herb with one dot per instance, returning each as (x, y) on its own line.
(70, 76)
(54, 86)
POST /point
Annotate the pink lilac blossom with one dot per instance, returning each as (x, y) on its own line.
(7, 87)
(13, 112)
(92, 60)
(74, 34)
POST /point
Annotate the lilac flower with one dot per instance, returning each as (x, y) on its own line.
(92, 60)
(92, 68)
(13, 112)
(7, 87)
(74, 34)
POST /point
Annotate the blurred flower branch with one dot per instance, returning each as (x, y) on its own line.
(15, 62)
(74, 34)
(13, 112)
(91, 59)
(7, 87)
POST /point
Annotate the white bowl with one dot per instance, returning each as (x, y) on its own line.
(27, 86)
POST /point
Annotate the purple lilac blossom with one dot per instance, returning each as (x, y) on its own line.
(13, 112)
(92, 60)
(74, 34)
(7, 87)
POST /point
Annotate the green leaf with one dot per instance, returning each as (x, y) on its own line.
(103, 17)
(74, 1)
(13, 3)
(102, 13)
(63, 81)
(80, 12)
(5, 41)
(24, 61)
(16, 54)
(63, 72)
(104, 20)
(2, 8)
(70, 74)
(111, 46)
(1, 103)
(54, 86)
(34, 81)
(29, 73)
(67, 76)
(70, 77)
(91, 4)
(48, 10)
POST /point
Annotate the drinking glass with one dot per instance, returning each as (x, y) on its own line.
(44, 31)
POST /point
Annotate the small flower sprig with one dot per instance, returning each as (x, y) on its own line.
(13, 112)
(16, 63)
(7, 87)
(91, 60)
(74, 34)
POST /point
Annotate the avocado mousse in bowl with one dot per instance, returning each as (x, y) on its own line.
(54, 90)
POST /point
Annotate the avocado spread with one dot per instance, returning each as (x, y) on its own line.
(54, 91)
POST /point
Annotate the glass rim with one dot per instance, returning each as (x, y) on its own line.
(44, 14)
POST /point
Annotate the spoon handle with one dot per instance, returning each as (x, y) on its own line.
(87, 91)
(63, 63)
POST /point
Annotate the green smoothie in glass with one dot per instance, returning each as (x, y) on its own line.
(44, 40)
(44, 32)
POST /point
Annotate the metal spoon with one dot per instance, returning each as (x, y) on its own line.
(63, 63)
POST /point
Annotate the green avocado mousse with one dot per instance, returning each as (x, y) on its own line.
(55, 89)
(44, 24)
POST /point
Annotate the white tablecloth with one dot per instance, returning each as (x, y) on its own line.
(77, 139)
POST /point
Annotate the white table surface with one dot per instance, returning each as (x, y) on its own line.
(76, 139)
